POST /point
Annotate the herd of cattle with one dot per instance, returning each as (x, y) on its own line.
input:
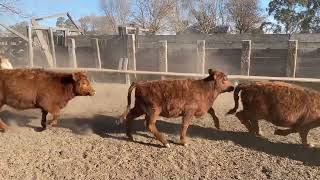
(282, 104)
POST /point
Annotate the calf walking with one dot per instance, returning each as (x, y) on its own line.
(280, 103)
(174, 98)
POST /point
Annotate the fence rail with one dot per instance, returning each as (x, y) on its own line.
(232, 77)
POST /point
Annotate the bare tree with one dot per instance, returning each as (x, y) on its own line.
(95, 25)
(118, 12)
(153, 14)
(180, 19)
(9, 6)
(204, 13)
(245, 14)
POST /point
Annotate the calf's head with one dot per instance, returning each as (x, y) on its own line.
(82, 86)
(220, 79)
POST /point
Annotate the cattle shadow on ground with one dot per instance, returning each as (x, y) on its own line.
(10, 118)
(99, 124)
(106, 125)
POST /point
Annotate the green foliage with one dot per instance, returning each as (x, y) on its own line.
(296, 15)
(60, 22)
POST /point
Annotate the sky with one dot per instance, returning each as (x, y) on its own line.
(77, 9)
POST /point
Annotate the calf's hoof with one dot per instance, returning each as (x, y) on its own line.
(130, 137)
(259, 134)
(40, 129)
(167, 145)
(119, 121)
(52, 125)
(309, 145)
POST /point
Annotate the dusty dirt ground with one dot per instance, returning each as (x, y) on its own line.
(89, 145)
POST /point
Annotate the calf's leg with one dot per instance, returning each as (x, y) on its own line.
(133, 113)
(184, 127)
(303, 132)
(215, 118)
(146, 121)
(255, 127)
(55, 111)
(241, 115)
(3, 126)
(284, 132)
(153, 129)
(44, 119)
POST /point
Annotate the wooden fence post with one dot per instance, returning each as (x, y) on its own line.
(72, 53)
(96, 50)
(163, 57)
(245, 57)
(131, 52)
(292, 58)
(125, 68)
(201, 56)
(120, 65)
(66, 34)
(137, 36)
(30, 45)
(53, 50)
(123, 30)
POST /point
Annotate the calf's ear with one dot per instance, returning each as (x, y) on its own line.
(67, 79)
(75, 76)
(212, 74)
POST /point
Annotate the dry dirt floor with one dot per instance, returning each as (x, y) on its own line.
(89, 145)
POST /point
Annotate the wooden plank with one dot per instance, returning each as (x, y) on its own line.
(96, 50)
(131, 52)
(15, 32)
(66, 34)
(292, 58)
(245, 57)
(53, 50)
(54, 28)
(72, 53)
(71, 19)
(234, 77)
(163, 57)
(201, 56)
(43, 43)
(30, 45)
(49, 17)
(125, 68)
(120, 65)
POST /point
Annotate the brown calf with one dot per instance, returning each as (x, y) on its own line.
(174, 98)
(280, 103)
(36, 88)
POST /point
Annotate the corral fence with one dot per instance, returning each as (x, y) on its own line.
(263, 56)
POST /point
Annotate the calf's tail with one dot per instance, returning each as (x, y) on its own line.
(236, 99)
(124, 115)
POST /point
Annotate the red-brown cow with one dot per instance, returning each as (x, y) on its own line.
(37, 88)
(174, 98)
(280, 103)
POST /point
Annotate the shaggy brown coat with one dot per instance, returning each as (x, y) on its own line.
(37, 88)
(174, 98)
(280, 103)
